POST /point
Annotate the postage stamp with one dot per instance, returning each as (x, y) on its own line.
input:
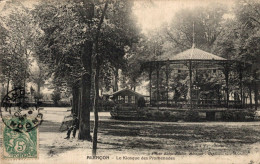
(19, 143)
(21, 117)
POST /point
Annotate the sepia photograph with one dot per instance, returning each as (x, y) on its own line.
(129, 81)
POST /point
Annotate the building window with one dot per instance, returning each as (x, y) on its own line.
(133, 99)
(126, 99)
(120, 98)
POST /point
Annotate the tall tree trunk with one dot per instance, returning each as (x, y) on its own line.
(24, 87)
(250, 95)
(241, 87)
(75, 100)
(256, 94)
(38, 91)
(244, 99)
(95, 107)
(115, 88)
(96, 67)
(84, 126)
(84, 121)
(134, 83)
(8, 82)
(39, 88)
(79, 103)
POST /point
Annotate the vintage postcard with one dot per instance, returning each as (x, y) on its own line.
(129, 81)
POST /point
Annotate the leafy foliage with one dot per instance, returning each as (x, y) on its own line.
(56, 97)
(17, 44)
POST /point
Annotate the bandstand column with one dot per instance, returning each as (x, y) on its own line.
(157, 85)
(190, 74)
(241, 85)
(226, 72)
(167, 83)
(150, 84)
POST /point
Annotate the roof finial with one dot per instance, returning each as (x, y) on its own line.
(193, 36)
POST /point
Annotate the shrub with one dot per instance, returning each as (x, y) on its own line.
(191, 115)
(172, 118)
(38, 96)
(250, 115)
(242, 115)
(166, 114)
(141, 113)
(179, 115)
(56, 97)
(149, 115)
(158, 115)
(228, 115)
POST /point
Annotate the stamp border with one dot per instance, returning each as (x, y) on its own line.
(16, 159)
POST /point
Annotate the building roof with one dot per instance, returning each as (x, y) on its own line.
(191, 54)
(117, 92)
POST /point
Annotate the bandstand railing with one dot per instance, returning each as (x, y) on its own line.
(205, 103)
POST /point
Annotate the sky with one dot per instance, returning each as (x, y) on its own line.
(151, 15)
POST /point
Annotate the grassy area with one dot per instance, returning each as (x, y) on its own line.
(146, 138)
(181, 138)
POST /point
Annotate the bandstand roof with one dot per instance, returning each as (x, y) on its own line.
(127, 90)
(191, 54)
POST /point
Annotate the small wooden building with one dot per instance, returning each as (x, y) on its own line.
(126, 96)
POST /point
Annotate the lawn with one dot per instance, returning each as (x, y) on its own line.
(134, 138)
(182, 138)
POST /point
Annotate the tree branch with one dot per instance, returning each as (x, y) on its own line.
(100, 24)
(172, 38)
(255, 20)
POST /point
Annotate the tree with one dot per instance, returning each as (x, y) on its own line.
(238, 41)
(56, 97)
(71, 31)
(204, 21)
(38, 76)
(146, 49)
(122, 34)
(18, 43)
(247, 13)
(66, 49)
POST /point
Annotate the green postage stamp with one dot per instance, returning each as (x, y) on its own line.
(21, 118)
(19, 143)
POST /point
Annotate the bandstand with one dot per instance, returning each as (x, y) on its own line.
(195, 79)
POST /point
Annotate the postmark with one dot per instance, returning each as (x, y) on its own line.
(17, 104)
(21, 117)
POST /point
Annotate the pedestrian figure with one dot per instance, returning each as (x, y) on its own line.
(74, 127)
